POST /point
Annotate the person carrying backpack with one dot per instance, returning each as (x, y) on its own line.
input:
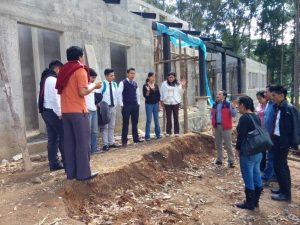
(108, 91)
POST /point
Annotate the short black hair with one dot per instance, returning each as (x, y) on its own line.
(224, 93)
(130, 69)
(74, 52)
(247, 102)
(279, 89)
(108, 71)
(92, 72)
(55, 63)
(261, 94)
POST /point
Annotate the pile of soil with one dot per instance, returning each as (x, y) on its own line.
(166, 181)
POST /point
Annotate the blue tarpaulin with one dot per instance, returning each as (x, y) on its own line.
(186, 41)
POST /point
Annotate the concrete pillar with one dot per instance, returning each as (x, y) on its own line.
(38, 56)
(201, 102)
(9, 45)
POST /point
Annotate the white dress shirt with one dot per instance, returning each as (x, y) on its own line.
(106, 93)
(90, 99)
(277, 130)
(120, 93)
(51, 98)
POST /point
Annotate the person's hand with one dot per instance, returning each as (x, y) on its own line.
(60, 117)
(98, 85)
(159, 107)
(183, 82)
(234, 103)
(147, 87)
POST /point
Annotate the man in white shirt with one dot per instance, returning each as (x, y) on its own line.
(92, 108)
(129, 99)
(50, 109)
(109, 91)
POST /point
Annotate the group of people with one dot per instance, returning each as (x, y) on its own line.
(75, 106)
(281, 121)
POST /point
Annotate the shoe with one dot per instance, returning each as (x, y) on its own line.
(275, 191)
(124, 144)
(249, 202)
(93, 175)
(266, 183)
(218, 162)
(231, 165)
(258, 191)
(167, 135)
(159, 137)
(114, 145)
(96, 152)
(176, 135)
(58, 166)
(281, 197)
(138, 141)
(105, 148)
(147, 139)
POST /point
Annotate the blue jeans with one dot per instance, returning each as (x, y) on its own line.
(152, 109)
(250, 169)
(94, 129)
(269, 170)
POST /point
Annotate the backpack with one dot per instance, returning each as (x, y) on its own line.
(99, 96)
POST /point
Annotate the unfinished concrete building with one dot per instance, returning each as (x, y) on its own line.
(33, 32)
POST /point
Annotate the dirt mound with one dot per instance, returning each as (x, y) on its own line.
(85, 201)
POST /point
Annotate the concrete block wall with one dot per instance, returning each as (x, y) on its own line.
(86, 22)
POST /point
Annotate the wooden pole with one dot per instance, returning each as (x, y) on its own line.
(17, 126)
(183, 76)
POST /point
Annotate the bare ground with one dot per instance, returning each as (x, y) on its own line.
(170, 181)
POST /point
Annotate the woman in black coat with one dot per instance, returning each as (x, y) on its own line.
(249, 164)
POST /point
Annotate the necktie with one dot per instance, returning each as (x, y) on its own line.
(111, 96)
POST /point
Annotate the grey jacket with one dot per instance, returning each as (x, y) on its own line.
(103, 113)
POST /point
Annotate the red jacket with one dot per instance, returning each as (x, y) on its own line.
(226, 116)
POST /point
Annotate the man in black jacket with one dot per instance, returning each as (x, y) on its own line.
(49, 107)
(284, 136)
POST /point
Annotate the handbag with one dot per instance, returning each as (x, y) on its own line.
(256, 141)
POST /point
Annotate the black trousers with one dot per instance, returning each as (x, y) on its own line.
(281, 167)
(77, 145)
(55, 134)
(172, 109)
(133, 112)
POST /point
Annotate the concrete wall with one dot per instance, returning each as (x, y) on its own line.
(78, 23)
(141, 6)
(255, 77)
(10, 53)
(254, 74)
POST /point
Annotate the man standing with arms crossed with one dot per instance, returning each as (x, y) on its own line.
(221, 117)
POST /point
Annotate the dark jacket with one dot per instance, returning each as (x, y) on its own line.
(103, 113)
(46, 73)
(289, 126)
(245, 126)
(154, 95)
